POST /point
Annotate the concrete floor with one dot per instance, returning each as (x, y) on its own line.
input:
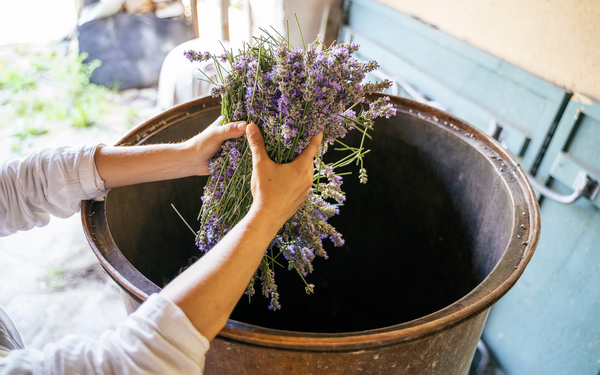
(51, 284)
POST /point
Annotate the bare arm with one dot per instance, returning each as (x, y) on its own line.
(208, 291)
(120, 166)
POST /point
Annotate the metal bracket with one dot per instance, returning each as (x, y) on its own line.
(495, 130)
(584, 187)
(511, 138)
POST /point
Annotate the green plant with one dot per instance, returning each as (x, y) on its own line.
(131, 114)
(55, 277)
(16, 80)
(30, 130)
(50, 88)
(22, 136)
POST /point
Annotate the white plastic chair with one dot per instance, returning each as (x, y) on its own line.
(181, 80)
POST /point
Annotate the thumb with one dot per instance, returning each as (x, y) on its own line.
(311, 150)
(231, 130)
(256, 142)
(220, 133)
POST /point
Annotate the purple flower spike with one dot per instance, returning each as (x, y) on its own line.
(291, 94)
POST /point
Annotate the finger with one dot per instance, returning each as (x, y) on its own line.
(231, 130)
(256, 142)
(311, 150)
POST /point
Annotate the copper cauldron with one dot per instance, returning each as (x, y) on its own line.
(443, 229)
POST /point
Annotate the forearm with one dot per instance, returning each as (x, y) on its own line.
(208, 291)
(120, 166)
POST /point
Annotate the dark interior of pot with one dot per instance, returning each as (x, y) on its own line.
(429, 226)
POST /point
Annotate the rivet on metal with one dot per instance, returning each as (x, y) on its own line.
(525, 242)
(501, 169)
(522, 226)
(518, 236)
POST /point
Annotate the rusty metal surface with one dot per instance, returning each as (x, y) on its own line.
(447, 352)
(451, 167)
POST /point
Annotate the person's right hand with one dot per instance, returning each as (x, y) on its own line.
(205, 145)
(278, 190)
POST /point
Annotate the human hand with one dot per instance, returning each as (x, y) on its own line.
(205, 145)
(278, 190)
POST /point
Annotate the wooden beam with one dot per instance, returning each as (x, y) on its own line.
(195, 26)
(225, 19)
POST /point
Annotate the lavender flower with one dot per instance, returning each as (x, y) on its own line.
(291, 94)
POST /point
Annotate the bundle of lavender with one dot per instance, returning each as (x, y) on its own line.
(291, 94)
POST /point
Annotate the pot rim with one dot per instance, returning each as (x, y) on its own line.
(503, 276)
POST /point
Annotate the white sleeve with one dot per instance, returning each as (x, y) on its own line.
(50, 181)
(158, 338)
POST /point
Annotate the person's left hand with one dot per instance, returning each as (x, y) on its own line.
(278, 190)
(206, 144)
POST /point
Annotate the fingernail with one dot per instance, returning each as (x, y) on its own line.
(251, 130)
(240, 125)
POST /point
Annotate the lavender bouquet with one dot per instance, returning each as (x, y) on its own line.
(291, 94)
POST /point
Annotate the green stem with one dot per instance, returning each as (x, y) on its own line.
(300, 30)
(186, 223)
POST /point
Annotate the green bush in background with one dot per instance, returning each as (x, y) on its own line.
(41, 90)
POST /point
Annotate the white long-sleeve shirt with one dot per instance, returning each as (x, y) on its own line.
(156, 339)
(44, 183)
